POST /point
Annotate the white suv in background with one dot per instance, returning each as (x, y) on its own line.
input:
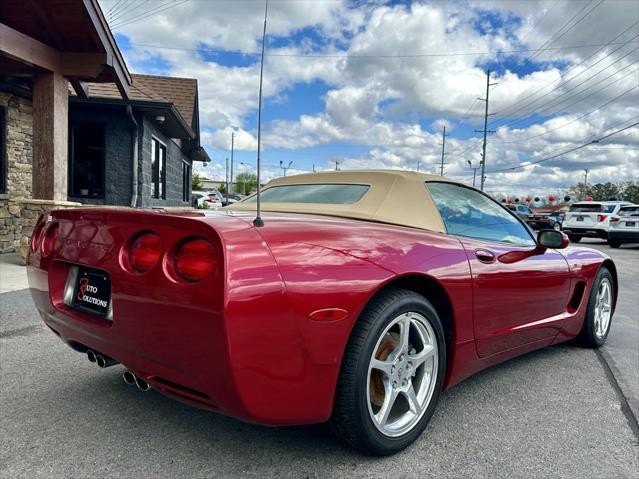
(590, 219)
(624, 226)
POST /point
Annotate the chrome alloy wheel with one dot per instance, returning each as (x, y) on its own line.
(402, 374)
(603, 308)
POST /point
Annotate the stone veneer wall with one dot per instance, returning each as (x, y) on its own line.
(25, 213)
(18, 133)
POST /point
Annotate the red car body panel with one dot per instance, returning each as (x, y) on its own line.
(242, 341)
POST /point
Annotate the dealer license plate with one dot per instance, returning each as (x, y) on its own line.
(92, 293)
(580, 218)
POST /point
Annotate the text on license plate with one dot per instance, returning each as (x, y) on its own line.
(92, 292)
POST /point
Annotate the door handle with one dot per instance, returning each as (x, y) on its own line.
(485, 256)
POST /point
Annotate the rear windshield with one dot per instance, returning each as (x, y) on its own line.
(629, 211)
(592, 208)
(321, 193)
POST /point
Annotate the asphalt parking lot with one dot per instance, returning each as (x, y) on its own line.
(560, 412)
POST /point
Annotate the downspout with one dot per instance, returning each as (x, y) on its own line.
(134, 176)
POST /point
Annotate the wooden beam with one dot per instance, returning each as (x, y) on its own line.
(116, 61)
(25, 49)
(51, 137)
(81, 88)
(83, 66)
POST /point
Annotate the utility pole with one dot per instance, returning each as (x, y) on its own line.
(336, 165)
(474, 168)
(485, 130)
(586, 171)
(419, 163)
(313, 167)
(227, 176)
(441, 169)
(285, 167)
(232, 148)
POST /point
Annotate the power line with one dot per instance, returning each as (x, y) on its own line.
(148, 14)
(578, 118)
(365, 56)
(530, 101)
(597, 140)
(533, 101)
(557, 36)
(121, 16)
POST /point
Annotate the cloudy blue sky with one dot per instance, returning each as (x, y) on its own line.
(371, 84)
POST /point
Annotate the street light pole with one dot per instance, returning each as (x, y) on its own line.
(285, 167)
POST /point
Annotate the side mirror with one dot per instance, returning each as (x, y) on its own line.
(552, 239)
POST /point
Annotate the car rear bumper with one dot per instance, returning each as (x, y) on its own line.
(627, 236)
(586, 232)
(195, 355)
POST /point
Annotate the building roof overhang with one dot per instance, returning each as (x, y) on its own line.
(165, 115)
(39, 35)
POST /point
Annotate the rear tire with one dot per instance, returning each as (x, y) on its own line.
(614, 243)
(574, 238)
(382, 371)
(599, 310)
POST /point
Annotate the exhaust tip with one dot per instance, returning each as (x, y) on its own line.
(91, 356)
(142, 384)
(128, 377)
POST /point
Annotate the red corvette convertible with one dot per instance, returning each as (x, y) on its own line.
(361, 298)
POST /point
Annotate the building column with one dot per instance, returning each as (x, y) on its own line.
(50, 136)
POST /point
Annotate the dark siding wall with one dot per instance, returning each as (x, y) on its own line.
(118, 151)
(174, 157)
(119, 157)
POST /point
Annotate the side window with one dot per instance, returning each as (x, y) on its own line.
(466, 212)
(158, 169)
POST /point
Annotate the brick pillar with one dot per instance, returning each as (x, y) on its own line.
(50, 136)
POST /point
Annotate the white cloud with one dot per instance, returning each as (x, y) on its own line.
(377, 100)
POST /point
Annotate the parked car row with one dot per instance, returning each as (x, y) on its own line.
(615, 221)
(600, 219)
(212, 199)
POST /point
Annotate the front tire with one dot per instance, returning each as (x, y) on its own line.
(614, 243)
(599, 310)
(392, 374)
(574, 238)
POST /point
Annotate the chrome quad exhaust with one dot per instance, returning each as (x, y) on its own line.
(131, 379)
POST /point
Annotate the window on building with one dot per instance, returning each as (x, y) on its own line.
(186, 181)
(3, 154)
(86, 168)
(158, 168)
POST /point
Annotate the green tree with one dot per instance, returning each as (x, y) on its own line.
(245, 183)
(631, 192)
(196, 182)
(222, 188)
(603, 191)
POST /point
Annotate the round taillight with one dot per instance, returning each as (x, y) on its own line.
(195, 259)
(50, 238)
(145, 252)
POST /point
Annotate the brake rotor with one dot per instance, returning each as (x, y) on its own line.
(387, 346)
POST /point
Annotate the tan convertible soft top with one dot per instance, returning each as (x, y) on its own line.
(396, 197)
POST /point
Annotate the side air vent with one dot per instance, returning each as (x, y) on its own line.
(577, 295)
